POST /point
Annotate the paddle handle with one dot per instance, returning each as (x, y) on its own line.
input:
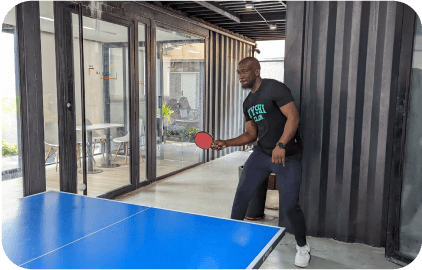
(219, 147)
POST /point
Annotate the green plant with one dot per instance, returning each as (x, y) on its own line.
(8, 150)
(10, 106)
(191, 132)
(166, 112)
(168, 133)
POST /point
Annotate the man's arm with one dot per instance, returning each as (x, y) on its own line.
(292, 123)
(248, 137)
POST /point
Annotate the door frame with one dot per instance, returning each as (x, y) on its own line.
(407, 19)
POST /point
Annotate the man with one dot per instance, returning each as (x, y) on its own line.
(270, 112)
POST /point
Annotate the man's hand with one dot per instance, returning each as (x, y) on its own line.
(219, 145)
(279, 155)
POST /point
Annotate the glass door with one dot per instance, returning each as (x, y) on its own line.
(106, 83)
(180, 80)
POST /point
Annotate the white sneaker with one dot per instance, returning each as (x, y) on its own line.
(303, 255)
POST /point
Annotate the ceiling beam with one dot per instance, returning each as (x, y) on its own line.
(269, 16)
(283, 3)
(219, 9)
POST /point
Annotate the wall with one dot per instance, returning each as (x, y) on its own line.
(224, 97)
(341, 61)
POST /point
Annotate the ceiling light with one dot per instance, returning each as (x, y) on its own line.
(273, 26)
(249, 6)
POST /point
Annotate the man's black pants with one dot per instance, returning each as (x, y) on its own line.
(256, 171)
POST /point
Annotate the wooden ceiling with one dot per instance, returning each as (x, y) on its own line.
(234, 16)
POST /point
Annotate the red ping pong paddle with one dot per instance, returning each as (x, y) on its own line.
(204, 140)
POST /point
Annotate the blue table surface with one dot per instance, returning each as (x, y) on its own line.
(63, 230)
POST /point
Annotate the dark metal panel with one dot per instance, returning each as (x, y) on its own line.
(380, 192)
(134, 104)
(347, 104)
(332, 186)
(65, 96)
(305, 104)
(217, 104)
(238, 107)
(206, 96)
(31, 97)
(210, 98)
(231, 109)
(223, 91)
(361, 232)
(375, 117)
(349, 120)
(401, 80)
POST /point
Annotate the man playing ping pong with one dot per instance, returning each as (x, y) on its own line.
(270, 112)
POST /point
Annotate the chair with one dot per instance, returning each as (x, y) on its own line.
(96, 136)
(125, 139)
(51, 137)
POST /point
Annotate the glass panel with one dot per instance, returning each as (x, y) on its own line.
(106, 104)
(142, 101)
(411, 205)
(48, 60)
(180, 80)
(12, 181)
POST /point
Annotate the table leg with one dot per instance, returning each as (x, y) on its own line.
(90, 169)
(107, 161)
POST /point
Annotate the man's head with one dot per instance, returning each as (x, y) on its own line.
(248, 70)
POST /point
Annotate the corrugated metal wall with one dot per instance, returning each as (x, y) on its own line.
(347, 91)
(224, 96)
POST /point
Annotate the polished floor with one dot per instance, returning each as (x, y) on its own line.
(208, 190)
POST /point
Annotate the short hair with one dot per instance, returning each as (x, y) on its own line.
(252, 61)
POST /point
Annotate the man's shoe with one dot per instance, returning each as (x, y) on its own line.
(303, 256)
(255, 218)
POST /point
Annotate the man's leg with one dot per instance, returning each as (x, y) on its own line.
(289, 178)
(255, 172)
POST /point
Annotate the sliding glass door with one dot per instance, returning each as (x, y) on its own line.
(105, 104)
(180, 80)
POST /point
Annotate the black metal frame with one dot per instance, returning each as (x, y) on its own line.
(30, 88)
(405, 27)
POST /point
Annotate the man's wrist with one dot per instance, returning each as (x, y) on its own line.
(281, 145)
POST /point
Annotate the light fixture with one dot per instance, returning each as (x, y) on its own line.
(249, 6)
(273, 26)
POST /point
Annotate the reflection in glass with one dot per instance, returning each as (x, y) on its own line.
(106, 76)
(411, 205)
(180, 80)
(12, 181)
(48, 60)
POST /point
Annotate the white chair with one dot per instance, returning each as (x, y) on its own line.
(125, 139)
(51, 137)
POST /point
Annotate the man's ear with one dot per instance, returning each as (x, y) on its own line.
(257, 73)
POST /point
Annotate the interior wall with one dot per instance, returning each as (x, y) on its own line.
(347, 92)
(224, 97)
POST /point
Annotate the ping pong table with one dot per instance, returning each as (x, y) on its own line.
(63, 230)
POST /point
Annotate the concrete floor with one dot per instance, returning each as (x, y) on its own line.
(209, 189)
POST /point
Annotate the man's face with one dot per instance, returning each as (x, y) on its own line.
(247, 76)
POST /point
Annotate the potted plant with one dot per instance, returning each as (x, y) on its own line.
(166, 113)
(191, 133)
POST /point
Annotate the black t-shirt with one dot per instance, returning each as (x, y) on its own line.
(263, 107)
